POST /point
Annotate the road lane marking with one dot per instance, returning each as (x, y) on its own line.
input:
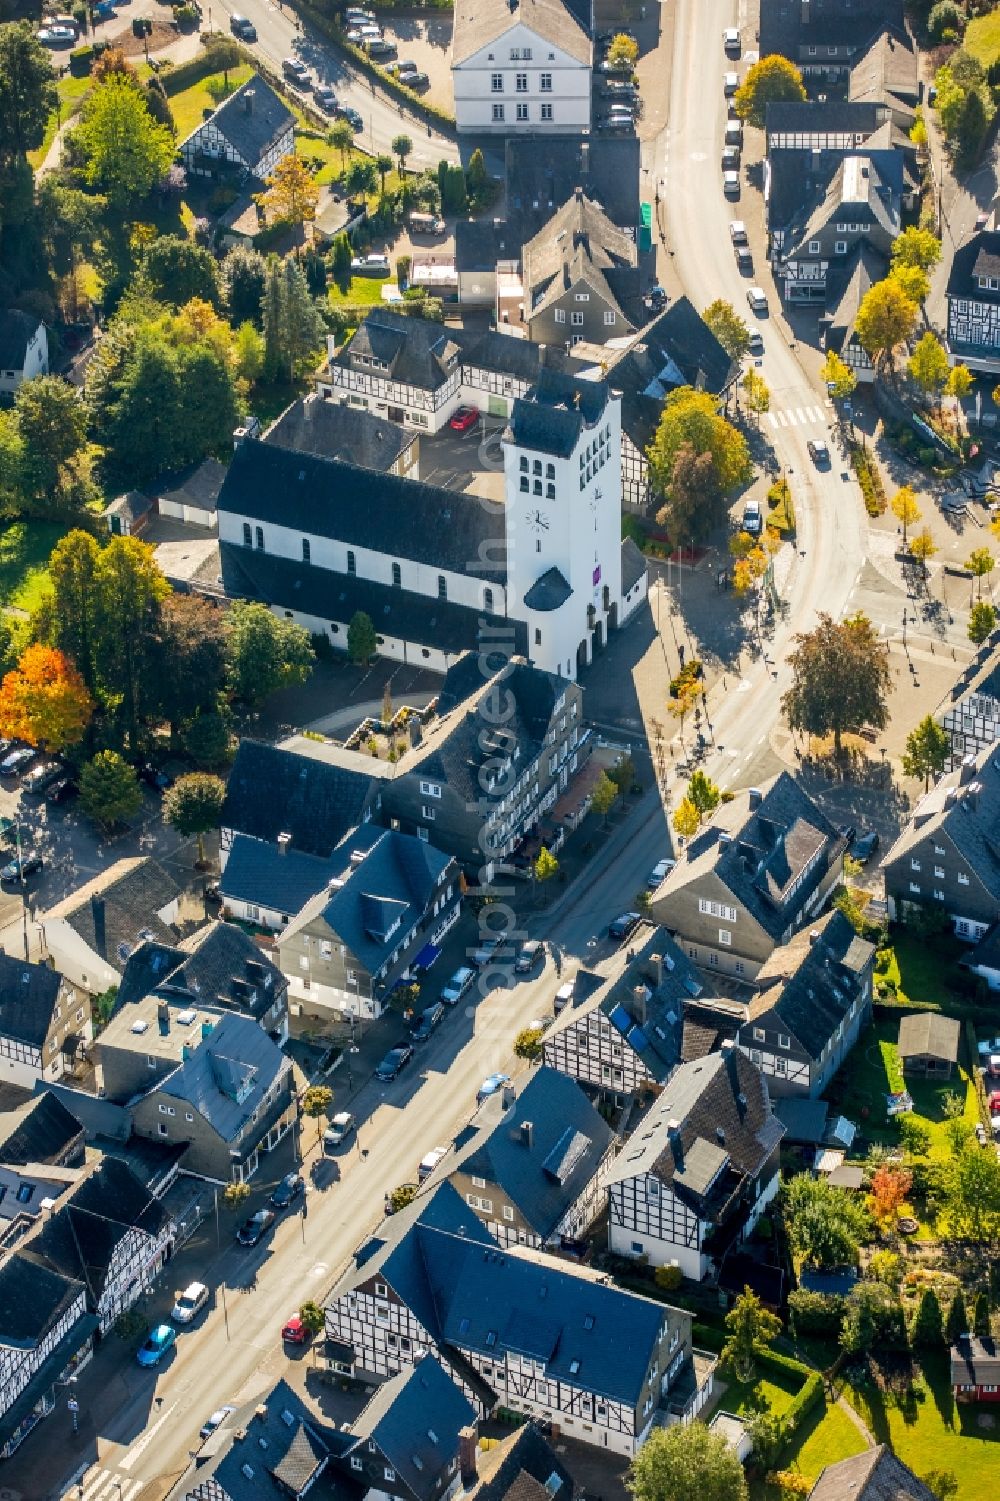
(141, 1444)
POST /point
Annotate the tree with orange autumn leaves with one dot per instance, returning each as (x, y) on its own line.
(44, 701)
(887, 1193)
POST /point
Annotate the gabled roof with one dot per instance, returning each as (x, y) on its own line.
(543, 1151)
(251, 128)
(336, 430)
(271, 791)
(963, 805)
(479, 22)
(522, 1468)
(118, 908)
(979, 256)
(415, 1418)
(553, 414)
(759, 845)
(40, 1130)
(227, 1074)
(810, 983)
(791, 28)
(196, 486)
(218, 964)
(862, 191)
(358, 507)
(264, 875)
(33, 1298)
(817, 116)
(578, 245)
(975, 1361)
(887, 72)
(676, 349)
(876, 1475)
(17, 329)
(412, 350)
(710, 1131)
(866, 266)
(28, 994)
(928, 1034)
(542, 171)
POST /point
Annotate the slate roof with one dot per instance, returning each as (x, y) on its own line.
(237, 1053)
(40, 1130)
(519, 1468)
(251, 132)
(259, 873)
(553, 414)
(17, 329)
(412, 350)
(810, 983)
(928, 1033)
(415, 1418)
(866, 266)
(676, 349)
(887, 72)
(977, 256)
(550, 591)
(759, 853)
(28, 994)
(218, 964)
(271, 791)
(361, 508)
(876, 1475)
(335, 430)
(385, 878)
(480, 243)
(403, 614)
(97, 1116)
(861, 190)
(790, 28)
(32, 1299)
(544, 1176)
(970, 819)
(579, 244)
(542, 171)
(118, 908)
(479, 22)
(975, 1361)
(196, 486)
(859, 117)
(131, 506)
(710, 1131)
(522, 359)
(634, 565)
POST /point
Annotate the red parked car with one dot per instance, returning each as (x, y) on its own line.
(464, 418)
(295, 1332)
(994, 1102)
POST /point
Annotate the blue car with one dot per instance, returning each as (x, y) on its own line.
(490, 1086)
(156, 1344)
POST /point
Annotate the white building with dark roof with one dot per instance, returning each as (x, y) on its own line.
(249, 133)
(973, 294)
(521, 65)
(24, 349)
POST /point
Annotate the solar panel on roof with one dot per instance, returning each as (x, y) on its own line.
(637, 1039)
(620, 1018)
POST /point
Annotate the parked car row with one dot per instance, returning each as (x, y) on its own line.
(618, 92)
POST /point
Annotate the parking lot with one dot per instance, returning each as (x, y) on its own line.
(470, 462)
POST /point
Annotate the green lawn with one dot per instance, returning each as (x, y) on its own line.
(25, 548)
(188, 105)
(923, 970)
(362, 289)
(72, 92)
(826, 1436)
(982, 38)
(937, 1433)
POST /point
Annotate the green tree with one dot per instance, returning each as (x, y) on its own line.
(125, 151)
(981, 1322)
(477, 177)
(244, 276)
(248, 349)
(383, 166)
(749, 1324)
(959, 382)
(362, 177)
(624, 49)
(972, 1196)
(316, 1102)
(265, 653)
(341, 137)
(957, 1322)
(922, 547)
(973, 122)
(873, 1319)
(928, 1327)
(692, 417)
(886, 318)
(13, 463)
(130, 587)
(825, 1225)
(982, 622)
(928, 365)
(312, 1318)
(603, 797)
(623, 774)
(52, 422)
(27, 92)
(235, 1195)
(728, 327)
(402, 147)
(362, 642)
(177, 269)
(686, 819)
(193, 805)
(980, 564)
(109, 789)
(756, 392)
(545, 867)
(840, 679)
(838, 376)
(71, 612)
(772, 80)
(158, 104)
(341, 261)
(912, 282)
(695, 504)
(916, 247)
(293, 327)
(927, 748)
(675, 1464)
(528, 1044)
(186, 659)
(703, 792)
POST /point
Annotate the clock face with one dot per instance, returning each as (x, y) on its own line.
(537, 521)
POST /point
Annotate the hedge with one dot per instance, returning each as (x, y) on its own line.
(707, 1337)
(184, 74)
(870, 481)
(363, 62)
(806, 1399)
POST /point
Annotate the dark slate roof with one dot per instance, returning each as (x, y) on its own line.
(810, 984)
(975, 1361)
(634, 565)
(543, 1170)
(131, 506)
(543, 171)
(553, 414)
(17, 329)
(413, 350)
(252, 132)
(420, 619)
(217, 965)
(271, 791)
(520, 1469)
(522, 359)
(328, 498)
(384, 877)
(198, 485)
(97, 1116)
(579, 244)
(986, 954)
(118, 908)
(32, 1299)
(847, 290)
(335, 430)
(236, 1053)
(676, 349)
(725, 1132)
(965, 806)
(262, 874)
(759, 852)
(415, 1418)
(976, 257)
(929, 1033)
(859, 117)
(40, 1130)
(550, 591)
(480, 243)
(151, 1161)
(788, 27)
(876, 1475)
(28, 993)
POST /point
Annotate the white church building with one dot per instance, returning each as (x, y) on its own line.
(438, 571)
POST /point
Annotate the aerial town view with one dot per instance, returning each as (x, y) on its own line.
(499, 750)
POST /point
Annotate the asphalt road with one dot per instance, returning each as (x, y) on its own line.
(279, 36)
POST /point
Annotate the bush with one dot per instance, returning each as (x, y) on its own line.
(669, 1278)
(946, 17)
(80, 60)
(820, 1314)
(870, 481)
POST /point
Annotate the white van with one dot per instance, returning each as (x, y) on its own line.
(428, 1163)
(563, 996)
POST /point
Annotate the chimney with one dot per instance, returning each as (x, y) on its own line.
(804, 13)
(676, 1145)
(248, 102)
(968, 771)
(640, 1008)
(754, 796)
(578, 194)
(163, 1017)
(509, 1096)
(813, 936)
(654, 968)
(468, 1443)
(284, 840)
(527, 1133)
(100, 927)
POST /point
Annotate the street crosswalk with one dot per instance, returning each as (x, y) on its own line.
(105, 1485)
(803, 416)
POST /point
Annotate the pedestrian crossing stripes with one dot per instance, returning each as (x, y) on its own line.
(105, 1485)
(796, 416)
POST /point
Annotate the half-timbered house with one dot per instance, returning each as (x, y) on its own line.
(45, 1022)
(249, 133)
(46, 1335)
